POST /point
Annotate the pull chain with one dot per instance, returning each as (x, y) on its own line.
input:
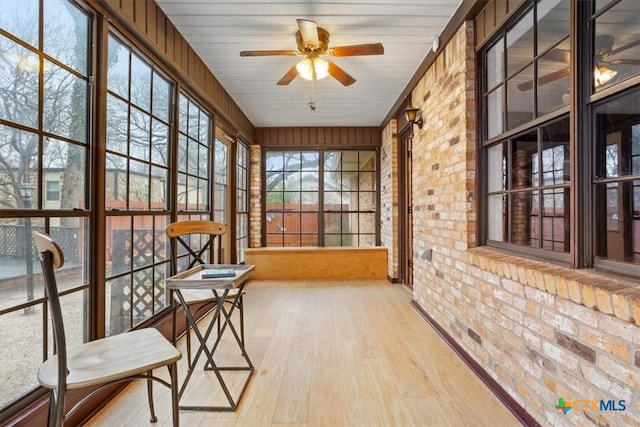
(312, 103)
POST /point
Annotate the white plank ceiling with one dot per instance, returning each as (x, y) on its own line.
(219, 30)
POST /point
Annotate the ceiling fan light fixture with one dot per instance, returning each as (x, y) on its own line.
(602, 75)
(313, 69)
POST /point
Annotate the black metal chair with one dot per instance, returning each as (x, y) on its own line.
(182, 232)
(101, 362)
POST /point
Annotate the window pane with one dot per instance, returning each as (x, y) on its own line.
(161, 97)
(495, 64)
(20, 18)
(159, 143)
(65, 103)
(495, 112)
(140, 83)
(18, 380)
(555, 221)
(553, 22)
(525, 167)
(116, 187)
(140, 135)
(520, 44)
(117, 125)
(158, 190)
(118, 68)
(524, 212)
(519, 102)
(615, 57)
(19, 82)
(496, 214)
(274, 161)
(64, 165)
(19, 154)
(496, 167)
(65, 35)
(553, 80)
(556, 168)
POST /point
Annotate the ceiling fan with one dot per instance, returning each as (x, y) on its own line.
(603, 72)
(313, 42)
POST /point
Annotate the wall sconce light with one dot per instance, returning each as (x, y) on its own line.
(413, 115)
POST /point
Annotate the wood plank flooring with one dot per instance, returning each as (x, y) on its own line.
(329, 354)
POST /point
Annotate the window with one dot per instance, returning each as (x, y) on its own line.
(321, 198)
(615, 137)
(194, 171)
(221, 181)
(526, 131)
(528, 188)
(44, 146)
(53, 190)
(194, 145)
(242, 201)
(137, 168)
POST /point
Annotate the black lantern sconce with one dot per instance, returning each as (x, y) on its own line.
(413, 115)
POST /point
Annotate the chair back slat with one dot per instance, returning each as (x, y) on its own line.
(181, 232)
(182, 228)
(51, 256)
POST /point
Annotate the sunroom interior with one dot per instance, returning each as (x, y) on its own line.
(486, 251)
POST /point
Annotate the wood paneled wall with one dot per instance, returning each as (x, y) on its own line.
(494, 14)
(319, 136)
(150, 24)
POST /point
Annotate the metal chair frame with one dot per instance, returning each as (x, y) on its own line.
(55, 372)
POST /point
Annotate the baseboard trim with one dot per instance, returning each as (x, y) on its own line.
(516, 409)
(392, 279)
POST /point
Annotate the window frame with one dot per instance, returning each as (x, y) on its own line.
(321, 212)
(539, 121)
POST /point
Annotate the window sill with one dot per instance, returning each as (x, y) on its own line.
(591, 288)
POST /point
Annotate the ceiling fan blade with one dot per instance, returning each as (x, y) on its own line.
(622, 62)
(288, 77)
(557, 55)
(309, 32)
(357, 49)
(340, 75)
(621, 48)
(543, 80)
(269, 53)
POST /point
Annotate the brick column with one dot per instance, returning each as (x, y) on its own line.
(255, 197)
(521, 209)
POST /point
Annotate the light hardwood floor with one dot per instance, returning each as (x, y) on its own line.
(331, 354)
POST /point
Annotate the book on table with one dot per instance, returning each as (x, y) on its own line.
(218, 272)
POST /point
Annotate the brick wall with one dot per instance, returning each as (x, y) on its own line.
(543, 332)
(389, 196)
(255, 196)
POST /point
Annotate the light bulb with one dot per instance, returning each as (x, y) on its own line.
(306, 68)
(602, 75)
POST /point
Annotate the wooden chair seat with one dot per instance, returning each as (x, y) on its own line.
(110, 359)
